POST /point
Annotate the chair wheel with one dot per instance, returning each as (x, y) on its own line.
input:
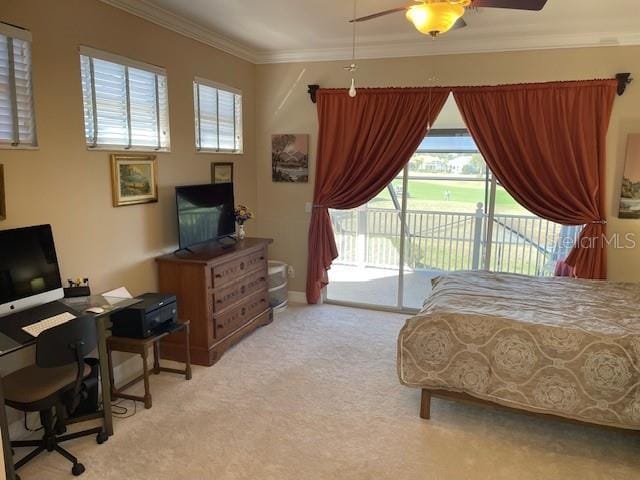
(101, 438)
(16, 477)
(61, 429)
(77, 470)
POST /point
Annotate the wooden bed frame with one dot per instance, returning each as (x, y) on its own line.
(425, 409)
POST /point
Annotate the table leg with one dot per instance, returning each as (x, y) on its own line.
(156, 357)
(5, 440)
(187, 370)
(111, 377)
(145, 372)
(104, 375)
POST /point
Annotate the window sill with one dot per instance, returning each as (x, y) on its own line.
(115, 148)
(5, 146)
(223, 152)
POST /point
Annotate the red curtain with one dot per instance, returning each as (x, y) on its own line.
(546, 144)
(363, 143)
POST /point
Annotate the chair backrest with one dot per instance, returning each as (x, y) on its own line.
(67, 343)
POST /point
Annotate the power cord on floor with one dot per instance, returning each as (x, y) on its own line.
(120, 411)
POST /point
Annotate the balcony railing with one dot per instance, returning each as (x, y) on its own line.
(449, 241)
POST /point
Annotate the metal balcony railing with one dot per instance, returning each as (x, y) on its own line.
(448, 241)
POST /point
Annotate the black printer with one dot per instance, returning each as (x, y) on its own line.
(157, 313)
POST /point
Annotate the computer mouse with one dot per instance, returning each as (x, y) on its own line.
(95, 310)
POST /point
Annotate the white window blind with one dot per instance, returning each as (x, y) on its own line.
(125, 102)
(218, 117)
(17, 119)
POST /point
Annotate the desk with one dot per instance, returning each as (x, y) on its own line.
(10, 342)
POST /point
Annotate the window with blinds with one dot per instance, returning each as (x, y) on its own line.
(17, 118)
(218, 116)
(125, 102)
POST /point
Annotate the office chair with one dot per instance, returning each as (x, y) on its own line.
(55, 382)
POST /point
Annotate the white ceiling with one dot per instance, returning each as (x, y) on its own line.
(269, 31)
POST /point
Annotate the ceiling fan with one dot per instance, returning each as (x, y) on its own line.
(433, 17)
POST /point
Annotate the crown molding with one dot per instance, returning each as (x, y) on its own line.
(187, 28)
(506, 42)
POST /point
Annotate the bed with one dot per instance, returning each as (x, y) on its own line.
(561, 347)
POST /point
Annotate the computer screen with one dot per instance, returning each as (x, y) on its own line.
(29, 271)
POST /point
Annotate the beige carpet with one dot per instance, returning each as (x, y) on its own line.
(315, 396)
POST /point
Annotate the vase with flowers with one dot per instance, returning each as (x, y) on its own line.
(242, 215)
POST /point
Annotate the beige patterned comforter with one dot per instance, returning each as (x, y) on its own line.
(560, 346)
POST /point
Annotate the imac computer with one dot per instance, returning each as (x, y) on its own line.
(29, 271)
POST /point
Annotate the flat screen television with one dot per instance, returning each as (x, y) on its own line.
(205, 213)
(29, 270)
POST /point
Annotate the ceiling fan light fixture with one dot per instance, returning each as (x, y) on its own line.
(434, 18)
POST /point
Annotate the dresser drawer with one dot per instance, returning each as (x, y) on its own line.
(229, 271)
(229, 321)
(235, 292)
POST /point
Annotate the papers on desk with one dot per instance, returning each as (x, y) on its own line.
(121, 292)
(114, 297)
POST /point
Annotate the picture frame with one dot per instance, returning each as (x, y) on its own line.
(290, 158)
(630, 189)
(134, 179)
(221, 172)
(3, 205)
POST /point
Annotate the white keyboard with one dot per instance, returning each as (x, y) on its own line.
(36, 329)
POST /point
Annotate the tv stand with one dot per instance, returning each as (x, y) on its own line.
(222, 290)
(224, 245)
(185, 249)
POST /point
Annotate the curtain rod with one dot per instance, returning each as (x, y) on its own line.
(623, 79)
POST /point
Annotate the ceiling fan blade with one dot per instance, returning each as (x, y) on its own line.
(513, 4)
(459, 24)
(379, 14)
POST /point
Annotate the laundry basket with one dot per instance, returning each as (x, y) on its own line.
(278, 285)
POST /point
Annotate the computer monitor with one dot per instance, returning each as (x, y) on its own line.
(29, 271)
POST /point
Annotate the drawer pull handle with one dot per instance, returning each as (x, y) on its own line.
(242, 289)
(243, 311)
(261, 258)
(241, 265)
(262, 300)
(219, 301)
(262, 279)
(218, 275)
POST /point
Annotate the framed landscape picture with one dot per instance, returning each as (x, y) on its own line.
(630, 191)
(222, 172)
(134, 179)
(3, 205)
(290, 158)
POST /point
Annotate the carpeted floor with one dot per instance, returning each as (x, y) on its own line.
(315, 396)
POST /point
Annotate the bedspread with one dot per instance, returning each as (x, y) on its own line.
(549, 345)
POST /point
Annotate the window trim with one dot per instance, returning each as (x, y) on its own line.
(14, 32)
(93, 53)
(197, 81)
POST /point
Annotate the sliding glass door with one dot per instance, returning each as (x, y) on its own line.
(444, 212)
(369, 240)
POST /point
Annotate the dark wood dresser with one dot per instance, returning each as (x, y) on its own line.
(222, 291)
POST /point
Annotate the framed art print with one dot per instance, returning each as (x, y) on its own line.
(290, 158)
(3, 205)
(630, 191)
(134, 179)
(221, 172)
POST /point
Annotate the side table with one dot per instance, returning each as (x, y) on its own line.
(141, 346)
